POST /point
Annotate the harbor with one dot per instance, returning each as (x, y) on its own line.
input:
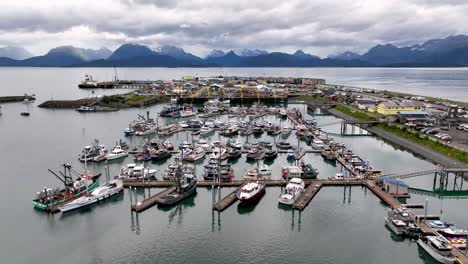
(319, 202)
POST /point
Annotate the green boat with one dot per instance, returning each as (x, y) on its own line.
(48, 198)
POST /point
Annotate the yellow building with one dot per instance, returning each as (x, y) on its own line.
(393, 108)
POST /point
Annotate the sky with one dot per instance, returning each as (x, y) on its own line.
(319, 27)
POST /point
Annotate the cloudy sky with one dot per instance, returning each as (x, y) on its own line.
(319, 27)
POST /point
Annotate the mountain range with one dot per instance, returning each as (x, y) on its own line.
(448, 52)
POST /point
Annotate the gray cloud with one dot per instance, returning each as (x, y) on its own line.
(319, 27)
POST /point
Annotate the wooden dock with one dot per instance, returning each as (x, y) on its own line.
(307, 196)
(147, 203)
(227, 201)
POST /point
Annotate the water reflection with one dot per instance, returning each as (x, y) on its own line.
(293, 221)
(347, 193)
(215, 223)
(135, 222)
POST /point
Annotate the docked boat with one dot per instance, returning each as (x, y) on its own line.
(234, 153)
(453, 232)
(292, 191)
(283, 144)
(250, 192)
(286, 131)
(232, 143)
(117, 153)
(186, 185)
(396, 225)
(219, 154)
(102, 192)
(186, 113)
(230, 131)
(161, 154)
(134, 171)
(205, 131)
(167, 130)
(167, 144)
(102, 154)
(87, 154)
(328, 155)
(291, 154)
(303, 171)
(317, 144)
(255, 154)
(197, 154)
(270, 154)
(438, 247)
(258, 172)
(274, 130)
(283, 112)
(49, 198)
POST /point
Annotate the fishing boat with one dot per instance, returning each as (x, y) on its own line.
(186, 185)
(285, 131)
(167, 130)
(117, 153)
(230, 131)
(255, 154)
(291, 154)
(160, 154)
(283, 112)
(270, 154)
(187, 113)
(102, 154)
(219, 154)
(317, 144)
(328, 155)
(396, 225)
(292, 191)
(102, 192)
(205, 131)
(258, 172)
(167, 144)
(48, 198)
(257, 130)
(438, 247)
(265, 144)
(274, 130)
(87, 154)
(232, 143)
(250, 192)
(234, 153)
(196, 154)
(283, 144)
(303, 171)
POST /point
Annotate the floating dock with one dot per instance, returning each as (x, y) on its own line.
(147, 203)
(307, 196)
(227, 201)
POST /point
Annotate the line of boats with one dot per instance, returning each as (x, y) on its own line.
(403, 222)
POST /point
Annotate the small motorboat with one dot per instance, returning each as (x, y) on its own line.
(250, 192)
(117, 153)
(292, 192)
(167, 145)
(24, 113)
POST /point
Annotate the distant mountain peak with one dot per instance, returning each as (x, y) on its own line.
(16, 53)
(216, 53)
(299, 52)
(347, 55)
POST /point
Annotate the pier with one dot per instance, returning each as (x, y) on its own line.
(227, 201)
(147, 203)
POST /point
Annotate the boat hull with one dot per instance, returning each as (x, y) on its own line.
(179, 198)
(50, 206)
(435, 255)
(91, 202)
(253, 199)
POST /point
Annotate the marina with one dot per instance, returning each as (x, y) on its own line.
(317, 203)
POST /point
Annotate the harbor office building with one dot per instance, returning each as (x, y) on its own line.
(389, 108)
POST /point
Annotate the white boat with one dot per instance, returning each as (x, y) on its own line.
(338, 176)
(196, 154)
(261, 172)
(219, 154)
(396, 225)
(317, 144)
(102, 154)
(285, 131)
(102, 192)
(187, 113)
(250, 192)
(283, 112)
(202, 143)
(117, 153)
(292, 192)
(438, 247)
(205, 131)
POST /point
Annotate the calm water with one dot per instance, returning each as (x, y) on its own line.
(451, 83)
(341, 225)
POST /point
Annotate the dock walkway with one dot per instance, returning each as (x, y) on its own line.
(145, 204)
(307, 196)
(227, 201)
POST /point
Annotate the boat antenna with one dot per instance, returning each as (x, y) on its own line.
(115, 74)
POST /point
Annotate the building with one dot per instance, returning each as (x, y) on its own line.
(393, 108)
(394, 186)
(415, 117)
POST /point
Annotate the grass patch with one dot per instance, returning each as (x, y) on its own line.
(354, 113)
(422, 139)
(136, 98)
